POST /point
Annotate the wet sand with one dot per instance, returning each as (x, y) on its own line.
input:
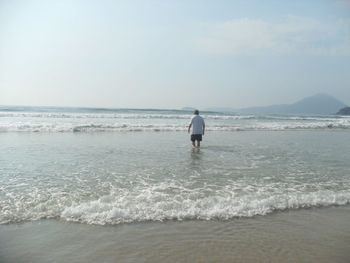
(307, 235)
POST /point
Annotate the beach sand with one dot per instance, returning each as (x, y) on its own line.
(306, 235)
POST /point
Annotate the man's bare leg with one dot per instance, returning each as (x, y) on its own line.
(198, 144)
(194, 143)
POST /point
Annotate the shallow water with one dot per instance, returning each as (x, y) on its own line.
(113, 178)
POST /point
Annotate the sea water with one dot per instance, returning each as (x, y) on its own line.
(107, 167)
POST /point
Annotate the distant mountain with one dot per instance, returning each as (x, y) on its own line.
(188, 109)
(221, 109)
(319, 104)
(344, 111)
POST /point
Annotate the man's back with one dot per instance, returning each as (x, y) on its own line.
(197, 124)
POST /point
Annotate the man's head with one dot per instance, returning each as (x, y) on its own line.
(196, 112)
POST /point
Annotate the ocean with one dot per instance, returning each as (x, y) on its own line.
(54, 119)
(132, 167)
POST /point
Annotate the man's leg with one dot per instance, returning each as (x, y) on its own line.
(193, 140)
(198, 143)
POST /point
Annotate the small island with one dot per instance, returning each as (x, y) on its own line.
(344, 111)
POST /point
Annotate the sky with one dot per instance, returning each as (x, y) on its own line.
(172, 54)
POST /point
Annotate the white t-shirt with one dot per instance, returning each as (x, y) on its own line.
(197, 124)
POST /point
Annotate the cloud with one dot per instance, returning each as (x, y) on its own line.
(292, 35)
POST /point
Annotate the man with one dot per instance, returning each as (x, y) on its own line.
(198, 127)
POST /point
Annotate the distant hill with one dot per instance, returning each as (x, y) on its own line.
(319, 104)
(344, 111)
(221, 109)
(188, 109)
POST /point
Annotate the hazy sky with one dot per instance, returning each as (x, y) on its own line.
(171, 54)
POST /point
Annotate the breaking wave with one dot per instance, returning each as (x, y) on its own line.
(156, 127)
(153, 205)
(111, 209)
(124, 121)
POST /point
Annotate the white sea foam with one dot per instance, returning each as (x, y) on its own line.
(114, 210)
(155, 204)
(160, 128)
(145, 121)
(133, 127)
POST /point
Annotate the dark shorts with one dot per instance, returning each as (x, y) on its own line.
(196, 137)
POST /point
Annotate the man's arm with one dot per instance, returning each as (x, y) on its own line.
(189, 127)
(203, 127)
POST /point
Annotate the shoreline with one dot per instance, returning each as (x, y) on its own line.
(304, 235)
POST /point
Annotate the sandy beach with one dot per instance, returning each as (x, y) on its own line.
(310, 235)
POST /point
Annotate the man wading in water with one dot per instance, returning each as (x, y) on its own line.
(198, 127)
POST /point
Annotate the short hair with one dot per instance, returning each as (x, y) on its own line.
(196, 112)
